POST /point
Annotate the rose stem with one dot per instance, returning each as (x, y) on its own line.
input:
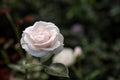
(26, 72)
(16, 31)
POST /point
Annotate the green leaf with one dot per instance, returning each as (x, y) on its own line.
(93, 75)
(17, 68)
(45, 58)
(57, 69)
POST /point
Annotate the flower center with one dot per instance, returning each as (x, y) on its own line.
(41, 35)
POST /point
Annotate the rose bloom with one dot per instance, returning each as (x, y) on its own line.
(42, 38)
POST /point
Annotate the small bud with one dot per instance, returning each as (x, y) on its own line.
(77, 51)
(65, 57)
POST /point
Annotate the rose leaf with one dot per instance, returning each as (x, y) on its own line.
(57, 69)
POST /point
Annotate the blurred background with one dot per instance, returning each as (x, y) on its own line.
(94, 25)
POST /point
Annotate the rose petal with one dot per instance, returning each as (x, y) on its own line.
(54, 48)
(25, 40)
(37, 53)
(58, 49)
(31, 51)
(39, 24)
(47, 43)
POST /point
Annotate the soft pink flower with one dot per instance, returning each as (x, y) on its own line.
(42, 38)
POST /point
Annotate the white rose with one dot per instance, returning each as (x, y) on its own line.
(42, 38)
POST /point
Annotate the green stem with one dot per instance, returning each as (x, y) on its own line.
(26, 71)
(26, 74)
(77, 72)
(21, 52)
(5, 56)
(15, 29)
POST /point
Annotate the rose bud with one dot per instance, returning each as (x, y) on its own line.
(65, 57)
(77, 51)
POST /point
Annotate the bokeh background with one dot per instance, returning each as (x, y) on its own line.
(94, 25)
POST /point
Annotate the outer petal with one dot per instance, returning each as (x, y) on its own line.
(58, 45)
(25, 40)
(60, 38)
(47, 25)
(58, 49)
(28, 29)
(52, 26)
(39, 24)
(36, 53)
